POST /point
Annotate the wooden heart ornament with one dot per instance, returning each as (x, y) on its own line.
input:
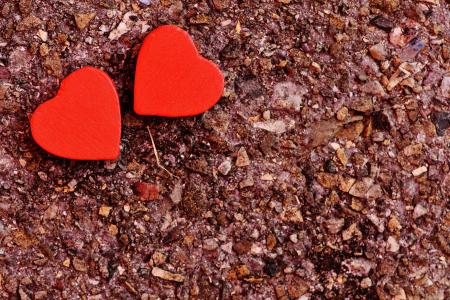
(83, 121)
(172, 78)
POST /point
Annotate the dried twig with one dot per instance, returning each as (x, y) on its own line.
(155, 151)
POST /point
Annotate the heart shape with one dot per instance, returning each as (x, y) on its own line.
(83, 120)
(172, 78)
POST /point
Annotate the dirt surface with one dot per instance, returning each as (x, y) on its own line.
(323, 172)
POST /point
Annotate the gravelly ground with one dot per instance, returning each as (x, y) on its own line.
(323, 172)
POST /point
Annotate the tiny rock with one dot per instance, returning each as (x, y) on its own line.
(419, 211)
(210, 244)
(51, 212)
(414, 149)
(54, 65)
(25, 6)
(104, 210)
(158, 258)
(373, 88)
(342, 114)
(82, 20)
(177, 193)
(293, 238)
(225, 167)
(292, 214)
(147, 191)
(247, 182)
(267, 177)
(366, 283)
(23, 295)
(288, 95)
(378, 52)
(379, 223)
(441, 121)
(340, 153)
(39, 295)
(274, 126)
(348, 233)
(396, 37)
(316, 67)
(419, 171)
(392, 244)
(351, 132)
(242, 247)
(410, 51)
(358, 266)
(128, 21)
(271, 242)
(43, 49)
(28, 23)
(166, 275)
(394, 224)
(66, 262)
(227, 248)
(346, 183)
(445, 87)
(334, 225)
(256, 249)
(382, 23)
(327, 180)
(374, 192)
(242, 159)
(360, 188)
(79, 265)
(43, 35)
(113, 229)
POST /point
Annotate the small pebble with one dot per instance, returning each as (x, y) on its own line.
(166, 275)
(419, 211)
(242, 159)
(82, 20)
(378, 52)
(225, 167)
(294, 238)
(382, 23)
(366, 283)
(419, 171)
(342, 113)
(104, 210)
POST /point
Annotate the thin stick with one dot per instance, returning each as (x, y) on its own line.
(155, 151)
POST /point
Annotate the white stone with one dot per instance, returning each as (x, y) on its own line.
(225, 167)
(392, 245)
(419, 211)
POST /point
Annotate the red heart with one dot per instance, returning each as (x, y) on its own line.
(83, 120)
(172, 78)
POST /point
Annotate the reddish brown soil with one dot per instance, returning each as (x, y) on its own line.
(323, 172)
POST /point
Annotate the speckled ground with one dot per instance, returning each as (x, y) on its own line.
(323, 172)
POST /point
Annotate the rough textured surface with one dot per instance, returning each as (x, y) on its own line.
(342, 182)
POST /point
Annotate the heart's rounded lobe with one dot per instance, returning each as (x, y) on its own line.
(172, 78)
(83, 120)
